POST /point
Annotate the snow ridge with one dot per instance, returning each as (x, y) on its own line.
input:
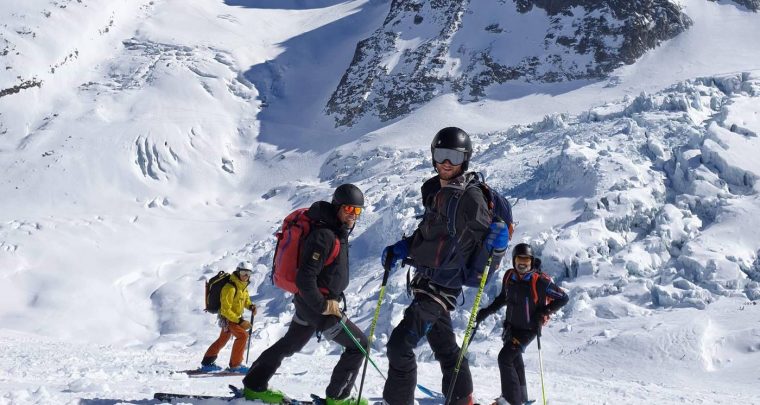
(425, 49)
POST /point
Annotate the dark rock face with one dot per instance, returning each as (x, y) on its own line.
(430, 47)
(753, 5)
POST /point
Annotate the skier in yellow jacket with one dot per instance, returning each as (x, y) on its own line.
(234, 301)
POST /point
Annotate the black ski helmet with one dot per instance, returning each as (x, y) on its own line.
(453, 138)
(522, 249)
(348, 194)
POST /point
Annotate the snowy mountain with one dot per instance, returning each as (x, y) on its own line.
(144, 146)
(425, 49)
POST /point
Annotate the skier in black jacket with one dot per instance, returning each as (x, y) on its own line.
(318, 311)
(531, 297)
(456, 225)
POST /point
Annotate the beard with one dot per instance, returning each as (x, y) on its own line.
(449, 176)
(522, 268)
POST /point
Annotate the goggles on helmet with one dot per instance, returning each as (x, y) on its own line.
(348, 209)
(244, 272)
(441, 155)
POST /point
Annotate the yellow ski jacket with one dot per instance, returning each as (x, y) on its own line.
(234, 299)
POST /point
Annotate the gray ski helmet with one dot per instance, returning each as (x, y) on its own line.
(453, 138)
(522, 249)
(348, 194)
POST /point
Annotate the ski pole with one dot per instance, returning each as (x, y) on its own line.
(470, 324)
(359, 345)
(425, 390)
(541, 364)
(250, 332)
(374, 322)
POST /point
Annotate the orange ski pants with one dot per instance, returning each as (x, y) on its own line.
(238, 347)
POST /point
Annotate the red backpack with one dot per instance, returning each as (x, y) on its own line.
(295, 227)
(533, 283)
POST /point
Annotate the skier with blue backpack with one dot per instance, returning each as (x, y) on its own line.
(466, 227)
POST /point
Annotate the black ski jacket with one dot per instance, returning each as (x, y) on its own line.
(439, 257)
(525, 305)
(312, 273)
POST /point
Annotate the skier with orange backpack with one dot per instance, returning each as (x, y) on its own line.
(531, 297)
(311, 261)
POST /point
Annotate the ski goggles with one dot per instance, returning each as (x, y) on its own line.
(441, 155)
(350, 209)
(245, 272)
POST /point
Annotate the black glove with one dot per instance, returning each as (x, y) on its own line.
(481, 316)
(542, 317)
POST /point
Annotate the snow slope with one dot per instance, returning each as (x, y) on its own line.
(161, 154)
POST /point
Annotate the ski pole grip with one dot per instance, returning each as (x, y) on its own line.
(387, 264)
(386, 273)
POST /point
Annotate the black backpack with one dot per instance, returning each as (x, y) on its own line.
(214, 291)
(500, 209)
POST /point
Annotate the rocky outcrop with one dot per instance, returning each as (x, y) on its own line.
(428, 48)
(26, 84)
(753, 5)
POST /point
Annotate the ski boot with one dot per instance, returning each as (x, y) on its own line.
(268, 396)
(239, 369)
(346, 401)
(210, 368)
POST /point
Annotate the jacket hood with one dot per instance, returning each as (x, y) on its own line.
(326, 213)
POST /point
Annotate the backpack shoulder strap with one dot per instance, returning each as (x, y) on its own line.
(508, 277)
(534, 286)
(486, 189)
(539, 275)
(334, 252)
(229, 281)
(452, 206)
(451, 214)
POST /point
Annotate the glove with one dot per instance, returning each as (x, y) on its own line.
(332, 308)
(481, 316)
(543, 317)
(245, 324)
(253, 309)
(392, 254)
(498, 238)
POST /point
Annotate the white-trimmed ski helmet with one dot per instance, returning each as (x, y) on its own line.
(245, 265)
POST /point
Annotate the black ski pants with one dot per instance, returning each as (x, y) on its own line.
(298, 335)
(424, 318)
(511, 365)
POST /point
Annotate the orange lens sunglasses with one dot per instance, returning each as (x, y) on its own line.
(348, 209)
